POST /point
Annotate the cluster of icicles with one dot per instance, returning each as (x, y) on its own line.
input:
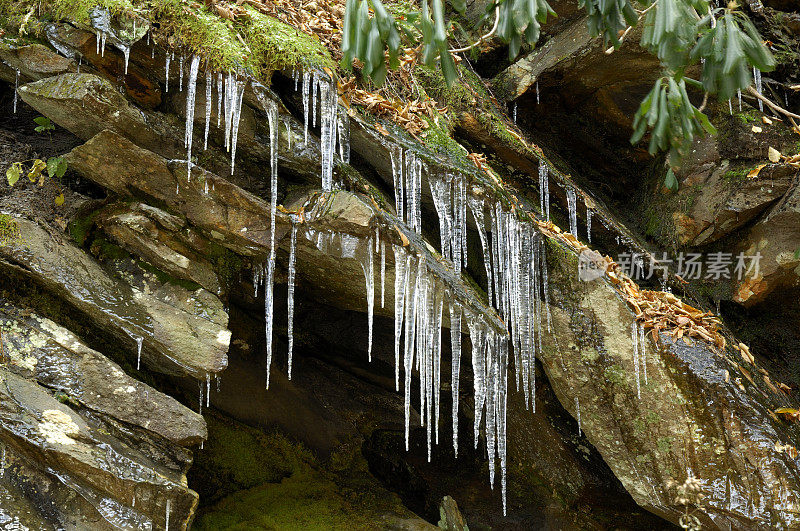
(513, 256)
(319, 92)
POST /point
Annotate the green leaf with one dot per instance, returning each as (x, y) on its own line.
(459, 5)
(59, 200)
(52, 166)
(42, 120)
(62, 167)
(13, 173)
(670, 181)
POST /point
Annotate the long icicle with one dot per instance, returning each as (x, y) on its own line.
(455, 342)
(290, 292)
(272, 118)
(191, 95)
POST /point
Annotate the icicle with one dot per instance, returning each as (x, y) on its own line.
(191, 95)
(233, 108)
(167, 61)
(208, 390)
(537, 91)
(209, 87)
(578, 415)
(328, 109)
(16, 87)
(476, 207)
(272, 119)
(455, 342)
(411, 302)
(398, 180)
(180, 77)
(643, 352)
(126, 54)
(730, 107)
(572, 205)
(401, 265)
(739, 95)
(544, 189)
(166, 525)
(139, 341)
(635, 341)
(306, 89)
(759, 87)
(476, 334)
(103, 45)
(315, 81)
(288, 135)
(80, 61)
(589, 224)
(368, 266)
(200, 407)
(220, 97)
(153, 52)
(383, 274)
(344, 135)
(290, 292)
(97, 43)
(515, 112)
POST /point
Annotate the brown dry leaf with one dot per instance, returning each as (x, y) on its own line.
(752, 174)
(773, 154)
(767, 120)
(788, 414)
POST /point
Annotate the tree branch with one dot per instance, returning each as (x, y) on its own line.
(483, 37)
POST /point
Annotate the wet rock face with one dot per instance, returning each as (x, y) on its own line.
(699, 410)
(168, 257)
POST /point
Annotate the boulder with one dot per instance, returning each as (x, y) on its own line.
(225, 213)
(175, 341)
(162, 239)
(126, 488)
(33, 62)
(39, 349)
(777, 240)
(703, 411)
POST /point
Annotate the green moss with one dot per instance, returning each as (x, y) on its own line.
(259, 480)
(748, 117)
(105, 250)
(9, 231)
(665, 444)
(735, 175)
(615, 374)
(277, 45)
(166, 278)
(305, 500)
(256, 42)
(238, 457)
(227, 264)
(80, 226)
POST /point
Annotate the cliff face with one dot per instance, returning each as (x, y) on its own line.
(259, 297)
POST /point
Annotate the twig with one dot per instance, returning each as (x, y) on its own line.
(772, 105)
(483, 37)
(705, 100)
(629, 28)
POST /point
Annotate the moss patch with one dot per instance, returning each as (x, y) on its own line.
(256, 43)
(9, 231)
(259, 480)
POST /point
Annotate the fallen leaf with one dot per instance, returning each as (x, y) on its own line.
(752, 174)
(773, 154)
(767, 120)
(788, 413)
(757, 129)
